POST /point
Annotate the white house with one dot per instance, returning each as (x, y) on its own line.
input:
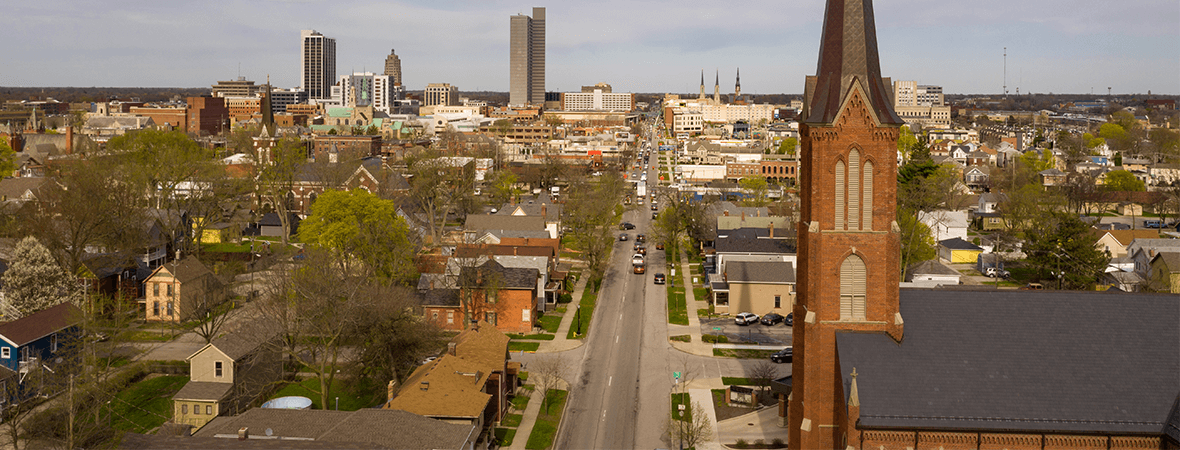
(945, 224)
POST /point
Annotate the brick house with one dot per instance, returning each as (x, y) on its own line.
(181, 290)
(502, 296)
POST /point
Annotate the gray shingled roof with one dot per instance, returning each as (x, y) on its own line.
(931, 267)
(382, 428)
(203, 390)
(753, 245)
(497, 222)
(246, 340)
(958, 244)
(759, 272)
(492, 273)
(1021, 360)
(441, 297)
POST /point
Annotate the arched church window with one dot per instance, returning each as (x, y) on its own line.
(840, 194)
(852, 288)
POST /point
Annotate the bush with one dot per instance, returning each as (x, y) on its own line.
(778, 442)
(715, 339)
(565, 298)
(681, 338)
(741, 443)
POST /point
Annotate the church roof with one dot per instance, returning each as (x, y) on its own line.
(848, 54)
(1035, 361)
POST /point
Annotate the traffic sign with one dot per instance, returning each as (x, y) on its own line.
(677, 375)
(716, 328)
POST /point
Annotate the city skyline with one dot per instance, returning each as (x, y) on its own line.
(1054, 46)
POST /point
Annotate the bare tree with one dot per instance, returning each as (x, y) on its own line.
(762, 374)
(548, 372)
(276, 170)
(690, 428)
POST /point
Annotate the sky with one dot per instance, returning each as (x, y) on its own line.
(1053, 46)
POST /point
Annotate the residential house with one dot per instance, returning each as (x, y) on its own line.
(24, 189)
(36, 339)
(1164, 174)
(987, 215)
(755, 286)
(1115, 242)
(959, 153)
(110, 275)
(932, 273)
(271, 225)
(542, 206)
(484, 222)
(502, 296)
(957, 251)
(749, 244)
(1165, 273)
(945, 224)
(980, 158)
(167, 230)
(181, 290)
(1143, 251)
(226, 375)
(977, 176)
(1123, 281)
(468, 385)
(442, 307)
(1052, 177)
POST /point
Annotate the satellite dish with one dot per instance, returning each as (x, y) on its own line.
(270, 432)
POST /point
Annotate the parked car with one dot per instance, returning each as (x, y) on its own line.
(626, 226)
(771, 319)
(653, 205)
(641, 250)
(782, 356)
(622, 236)
(659, 279)
(745, 318)
(1152, 224)
(995, 272)
(640, 238)
(659, 246)
(790, 320)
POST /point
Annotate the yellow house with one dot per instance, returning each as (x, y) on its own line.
(1165, 273)
(181, 290)
(1115, 242)
(759, 287)
(956, 250)
(226, 375)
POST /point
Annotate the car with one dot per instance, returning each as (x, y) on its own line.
(641, 250)
(782, 356)
(789, 320)
(639, 269)
(640, 201)
(659, 278)
(771, 318)
(745, 318)
(626, 226)
(659, 246)
(622, 236)
(637, 259)
(653, 206)
(640, 238)
(995, 272)
(655, 215)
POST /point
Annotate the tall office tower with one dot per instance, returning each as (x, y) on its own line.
(527, 59)
(317, 66)
(393, 68)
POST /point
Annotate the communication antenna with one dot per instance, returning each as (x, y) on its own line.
(1005, 72)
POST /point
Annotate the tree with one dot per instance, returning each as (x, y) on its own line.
(592, 208)
(690, 428)
(7, 159)
(34, 281)
(1122, 180)
(917, 244)
(275, 172)
(548, 372)
(439, 189)
(906, 142)
(502, 187)
(788, 146)
(762, 374)
(359, 227)
(391, 339)
(1061, 246)
(755, 188)
(372, 130)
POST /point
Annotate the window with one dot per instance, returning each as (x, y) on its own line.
(867, 203)
(156, 308)
(434, 315)
(852, 289)
(197, 410)
(170, 309)
(156, 289)
(6, 353)
(169, 289)
(53, 342)
(840, 194)
(853, 190)
(217, 369)
(778, 301)
(491, 317)
(209, 410)
(450, 317)
(184, 409)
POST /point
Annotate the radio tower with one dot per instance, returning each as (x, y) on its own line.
(1005, 72)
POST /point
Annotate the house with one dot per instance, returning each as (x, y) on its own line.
(1165, 273)
(36, 339)
(957, 250)
(977, 176)
(24, 189)
(1142, 251)
(1123, 281)
(181, 290)
(945, 224)
(270, 225)
(502, 296)
(755, 286)
(110, 275)
(990, 202)
(542, 206)
(467, 385)
(484, 222)
(932, 273)
(1052, 177)
(226, 375)
(542, 258)
(1115, 242)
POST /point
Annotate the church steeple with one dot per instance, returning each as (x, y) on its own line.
(268, 115)
(847, 55)
(702, 84)
(737, 87)
(717, 88)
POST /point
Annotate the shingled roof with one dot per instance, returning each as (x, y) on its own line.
(493, 274)
(338, 429)
(40, 324)
(847, 55)
(1035, 361)
(759, 272)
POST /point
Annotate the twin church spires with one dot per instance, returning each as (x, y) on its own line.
(717, 87)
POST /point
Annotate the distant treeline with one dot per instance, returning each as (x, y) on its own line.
(99, 94)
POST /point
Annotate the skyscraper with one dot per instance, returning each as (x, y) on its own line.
(527, 59)
(317, 64)
(393, 68)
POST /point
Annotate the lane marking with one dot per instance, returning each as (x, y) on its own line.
(610, 381)
(616, 339)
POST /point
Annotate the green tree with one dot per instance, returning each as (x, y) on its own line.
(1122, 180)
(788, 146)
(906, 142)
(160, 162)
(372, 130)
(917, 243)
(7, 159)
(359, 227)
(34, 281)
(502, 187)
(1060, 246)
(755, 189)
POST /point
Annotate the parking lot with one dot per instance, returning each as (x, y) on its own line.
(761, 334)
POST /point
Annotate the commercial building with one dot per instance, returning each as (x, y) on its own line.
(922, 105)
(317, 64)
(393, 68)
(597, 98)
(235, 88)
(441, 94)
(367, 89)
(527, 59)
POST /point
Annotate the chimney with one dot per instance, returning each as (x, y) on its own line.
(69, 140)
(726, 213)
(390, 389)
(243, 433)
(771, 230)
(451, 346)
(743, 215)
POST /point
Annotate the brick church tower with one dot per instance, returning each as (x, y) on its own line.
(849, 243)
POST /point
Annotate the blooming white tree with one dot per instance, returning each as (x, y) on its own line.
(34, 280)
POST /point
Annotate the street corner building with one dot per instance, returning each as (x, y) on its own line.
(884, 368)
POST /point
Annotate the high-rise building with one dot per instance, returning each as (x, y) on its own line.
(363, 89)
(527, 59)
(317, 66)
(441, 94)
(393, 68)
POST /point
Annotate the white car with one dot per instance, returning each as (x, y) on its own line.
(745, 318)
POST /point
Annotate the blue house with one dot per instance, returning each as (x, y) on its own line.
(38, 337)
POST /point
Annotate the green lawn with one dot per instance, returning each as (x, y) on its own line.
(741, 381)
(581, 324)
(511, 420)
(743, 354)
(148, 336)
(520, 402)
(546, 426)
(677, 307)
(349, 401)
(225, 247)
(700, 294)
(145, 405)
(517, 346)
(550, 322)
(680, 338)
(682, 399)
(532, 337)
(505, 435)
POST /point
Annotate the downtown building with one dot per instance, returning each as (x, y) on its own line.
(317, 64)
(921, 105)
(363, 89)
(527, 59)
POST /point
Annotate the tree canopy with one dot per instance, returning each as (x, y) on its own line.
(358, 226)
(1122, 180)
(1060, 246)
(34, 280)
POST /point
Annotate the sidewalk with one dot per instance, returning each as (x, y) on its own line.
(560, 343)
(527, 421)
(693, 330)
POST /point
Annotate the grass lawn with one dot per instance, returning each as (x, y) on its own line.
(581, 324)
(550, 322)
(682, 399)
(505, 435)
(349, 401)
(740, 381)
(145, 405)
(700, 294)
(680, 338)
(520, 402)
(511, 420)
(546, 426)
(516, 346)
(677, 307)
(532, 337)
(743, 354)
(225, 247)
(149, 336)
